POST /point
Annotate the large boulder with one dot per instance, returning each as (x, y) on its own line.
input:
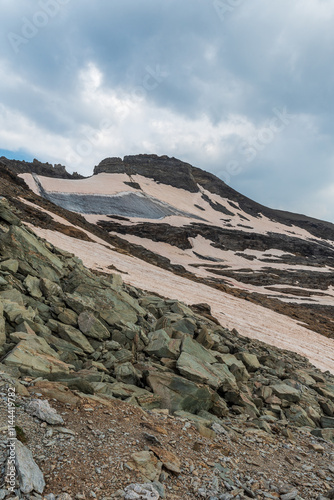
(162, 346)
(74, 336)
(35, 357)
(286, 392)
(29, 474)
(178, 393)
(196, 350)
(92, 327)
(215, 375)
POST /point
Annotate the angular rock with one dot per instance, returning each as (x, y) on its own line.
(74, 336)
(34, 357)
(298, 417)
(327, 422)
(41, 409)
(215, 375)
(49, 288)
(92, 327)
(10, 265)
(32, 285)
(178, 393)
(138, 491)
(250, 360)
(147, 464)
(286, 392)
(29, 474)
(190, 346)
(126, 373)
(162, 346)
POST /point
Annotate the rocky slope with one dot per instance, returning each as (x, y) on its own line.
(148, 390)
(188, 221)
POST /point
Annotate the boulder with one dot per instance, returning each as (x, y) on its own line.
(41, 409)
(327, 422)
(178, 393)
(299, 417)
(49, 288)
(32, 285)
(215, 375)
(92, 327)
(249, 360)
(29, 474)
(127, 374)
(286, 392)
(10, 265)
(190, 346)
(74, 336)
(147, 464)
(162, 346)
(35, 357)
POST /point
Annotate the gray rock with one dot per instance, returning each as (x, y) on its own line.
(327, 422)
(92, 327)
(29, 474)
(286, 392)
(250, 360)
(162, 346)
(126, 373)
(10, 265)
(41, 409)
(146, 491)
(74, 336)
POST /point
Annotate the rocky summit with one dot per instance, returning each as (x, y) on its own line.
(109, 389)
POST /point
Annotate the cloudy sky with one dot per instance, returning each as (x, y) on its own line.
(243, 89)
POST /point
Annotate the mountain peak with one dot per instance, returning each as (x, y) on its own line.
(163, 169)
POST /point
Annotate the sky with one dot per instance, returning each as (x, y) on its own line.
(242, 89)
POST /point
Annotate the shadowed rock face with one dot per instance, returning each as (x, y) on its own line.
(160, 168)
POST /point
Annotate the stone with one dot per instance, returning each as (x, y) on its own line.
(327, 434)
(190, 346)
(299, 417)
(16, 313)
(29, 474)
(215, 375)
(49, 288)
(147, 464)
(169, 460)
(137, 491)
(32, 285)
(286, 392)
(73, 335)
(162, 346)
(55, 390)
(92, 327)
(205, 339)
(35, 357)
(41, 409)
(327, 422)
(177, 393)
(68, 317)
(10, 265)
(126, 373)
(250, 361)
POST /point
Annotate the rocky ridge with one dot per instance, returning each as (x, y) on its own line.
(94, 344)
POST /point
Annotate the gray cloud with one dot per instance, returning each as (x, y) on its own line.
(198, 80)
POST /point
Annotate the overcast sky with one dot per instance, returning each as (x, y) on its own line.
(243, 89)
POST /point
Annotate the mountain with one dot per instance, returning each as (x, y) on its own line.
(173, 217)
